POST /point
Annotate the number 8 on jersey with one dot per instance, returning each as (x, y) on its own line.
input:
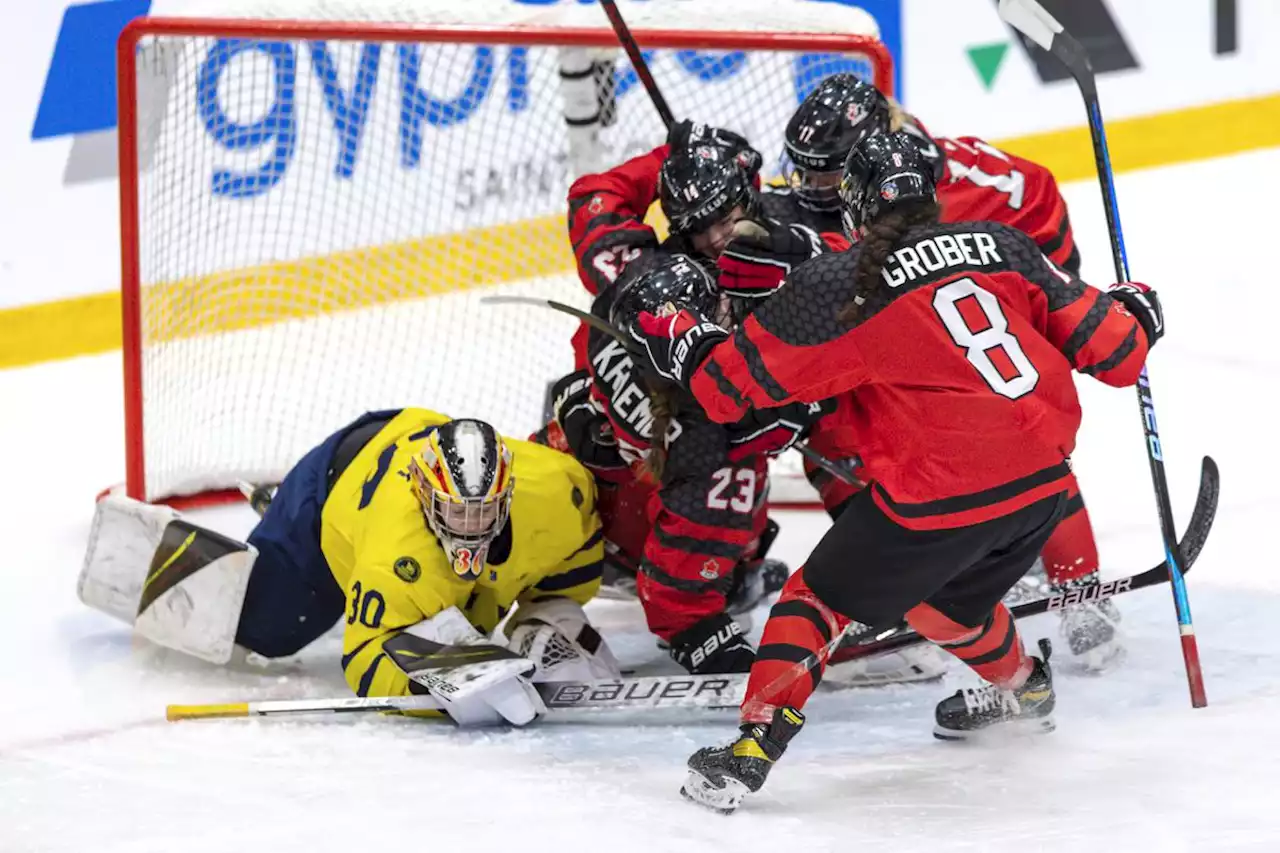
(1011, 374)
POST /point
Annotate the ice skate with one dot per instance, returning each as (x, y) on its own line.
(753, 582)
(1029, 708)
(1091, 629)
(719, 777)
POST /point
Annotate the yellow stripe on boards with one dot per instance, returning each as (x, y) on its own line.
(249, 298)
(1163, 139)
(84, 325)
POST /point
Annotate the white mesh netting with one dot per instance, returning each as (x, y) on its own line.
(317, 220)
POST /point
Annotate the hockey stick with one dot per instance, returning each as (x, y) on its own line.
(633, 348)
(1193, 539)
(599, 324)
(632, 49)
(657, 691)
(724, 691)
(1030, 18)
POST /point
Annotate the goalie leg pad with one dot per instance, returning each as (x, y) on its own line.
(181, 586)
(554, 633)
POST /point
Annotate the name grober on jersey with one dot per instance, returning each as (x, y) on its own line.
(627, 400)
(932, 254)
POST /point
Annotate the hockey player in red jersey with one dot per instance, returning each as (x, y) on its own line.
(954, 345)
(706, 529)
(975, 181)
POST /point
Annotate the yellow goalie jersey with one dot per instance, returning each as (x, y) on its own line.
(395, 573)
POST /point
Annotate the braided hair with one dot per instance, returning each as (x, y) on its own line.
(882, 237)
(887, 188)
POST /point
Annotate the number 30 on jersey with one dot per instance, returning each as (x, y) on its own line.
(993, 351)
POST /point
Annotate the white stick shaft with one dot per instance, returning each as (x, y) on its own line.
(348, 704)
(658, 691)
(1031, 19)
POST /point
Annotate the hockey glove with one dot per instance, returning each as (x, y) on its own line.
(676, 344)
(771, 431)
(1143, 303)
(686, 135)
(762, 254)
(714, 645)
(477, 683)
(554, 633)
(586, 429)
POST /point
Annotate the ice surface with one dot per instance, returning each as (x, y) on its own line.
(86, 764)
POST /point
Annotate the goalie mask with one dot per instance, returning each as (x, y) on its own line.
(462, 478)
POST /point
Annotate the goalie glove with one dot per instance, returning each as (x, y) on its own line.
(1143, 303)
(478, 683)
(762, 254)
(555, 635)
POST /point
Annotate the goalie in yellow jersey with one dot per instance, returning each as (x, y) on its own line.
(419, 531)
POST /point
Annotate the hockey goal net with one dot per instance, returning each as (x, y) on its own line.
(312, 207)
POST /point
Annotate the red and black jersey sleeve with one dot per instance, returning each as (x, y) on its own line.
(1096, 333)
(792, 348)
(606, 218)
(984, 183)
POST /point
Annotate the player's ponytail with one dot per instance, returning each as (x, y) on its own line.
(662, 404)
(882, 237)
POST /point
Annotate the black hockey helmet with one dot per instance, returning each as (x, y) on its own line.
(676, 280)
(840, 112)
(701, 186)
(929, 149)
(883, 172)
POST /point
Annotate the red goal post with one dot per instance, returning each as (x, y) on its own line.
(294, 253)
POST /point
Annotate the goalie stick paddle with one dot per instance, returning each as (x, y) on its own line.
(657, 691)
(1032, 20)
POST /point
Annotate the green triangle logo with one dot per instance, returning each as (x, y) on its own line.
(986, 59)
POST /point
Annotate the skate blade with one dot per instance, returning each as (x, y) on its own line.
(724, 799)
(999, 731)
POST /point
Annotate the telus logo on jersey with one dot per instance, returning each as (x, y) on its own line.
(932, 254)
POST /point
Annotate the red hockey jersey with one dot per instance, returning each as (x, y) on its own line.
(959, 398)
(980, 183)
(983, 183)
